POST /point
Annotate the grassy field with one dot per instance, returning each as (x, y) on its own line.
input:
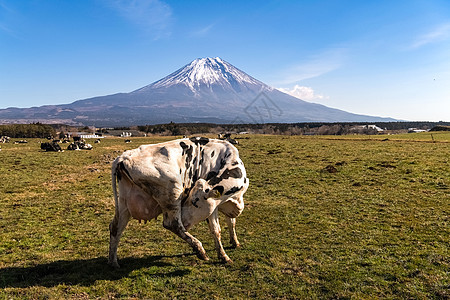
(325, 217)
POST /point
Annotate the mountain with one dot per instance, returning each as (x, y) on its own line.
(205, 90)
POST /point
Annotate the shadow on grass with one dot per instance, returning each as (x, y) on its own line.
(82, 272)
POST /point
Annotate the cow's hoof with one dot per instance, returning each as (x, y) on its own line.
(235, 245)
(225, 260)
(202, 256)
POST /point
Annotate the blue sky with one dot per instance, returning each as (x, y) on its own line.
(383, 58)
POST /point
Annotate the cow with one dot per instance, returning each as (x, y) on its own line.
(227, 137)
(185, 180)
(73, 146)
(51, 147)
(79, 145)
(21, 142)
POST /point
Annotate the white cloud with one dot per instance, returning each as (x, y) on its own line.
(302, 92)
(152, 16)
(5, 29)
(6, 13)
(4, 7)
(440, 33)
(202, 31)
(314, 66)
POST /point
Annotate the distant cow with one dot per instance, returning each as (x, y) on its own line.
(187, 180)
(232, 141)
(73, 146)
(86, 146)
(79, 146)
(21, 142)
(227, 137)
(50, 147)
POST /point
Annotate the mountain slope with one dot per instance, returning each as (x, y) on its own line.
(205, 90)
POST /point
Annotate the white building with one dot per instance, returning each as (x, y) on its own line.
(90, 136)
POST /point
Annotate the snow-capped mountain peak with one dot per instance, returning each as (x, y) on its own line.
(207, 72)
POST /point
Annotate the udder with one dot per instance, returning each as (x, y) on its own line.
(142, 206)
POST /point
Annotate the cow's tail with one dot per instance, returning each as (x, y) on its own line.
(114, 172)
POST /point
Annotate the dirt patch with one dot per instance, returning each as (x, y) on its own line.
(386, 165)
(330, 169)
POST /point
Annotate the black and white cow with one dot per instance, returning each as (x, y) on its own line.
(79, 145)
(51, 147)
(187, 180)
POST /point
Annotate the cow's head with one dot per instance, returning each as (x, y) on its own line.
(203, 191)
(201, 203)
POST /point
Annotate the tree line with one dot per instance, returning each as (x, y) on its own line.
(35, 130)
(38, 130)
(317, 128)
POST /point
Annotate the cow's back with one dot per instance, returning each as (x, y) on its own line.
(172, 168)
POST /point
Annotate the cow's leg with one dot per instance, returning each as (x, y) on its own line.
(231, 209)
(173, 222)
(232, 229)
(116, 228)
(214, 227)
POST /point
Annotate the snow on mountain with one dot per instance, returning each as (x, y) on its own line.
(206, 72)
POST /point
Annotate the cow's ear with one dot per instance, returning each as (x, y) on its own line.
(217, 191)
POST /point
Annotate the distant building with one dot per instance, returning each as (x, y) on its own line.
(128, 133)
(90, 136)
(415, 130)
(374, 127)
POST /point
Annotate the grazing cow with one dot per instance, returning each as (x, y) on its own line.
(187, 180)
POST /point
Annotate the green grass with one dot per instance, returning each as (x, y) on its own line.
(376, 228)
